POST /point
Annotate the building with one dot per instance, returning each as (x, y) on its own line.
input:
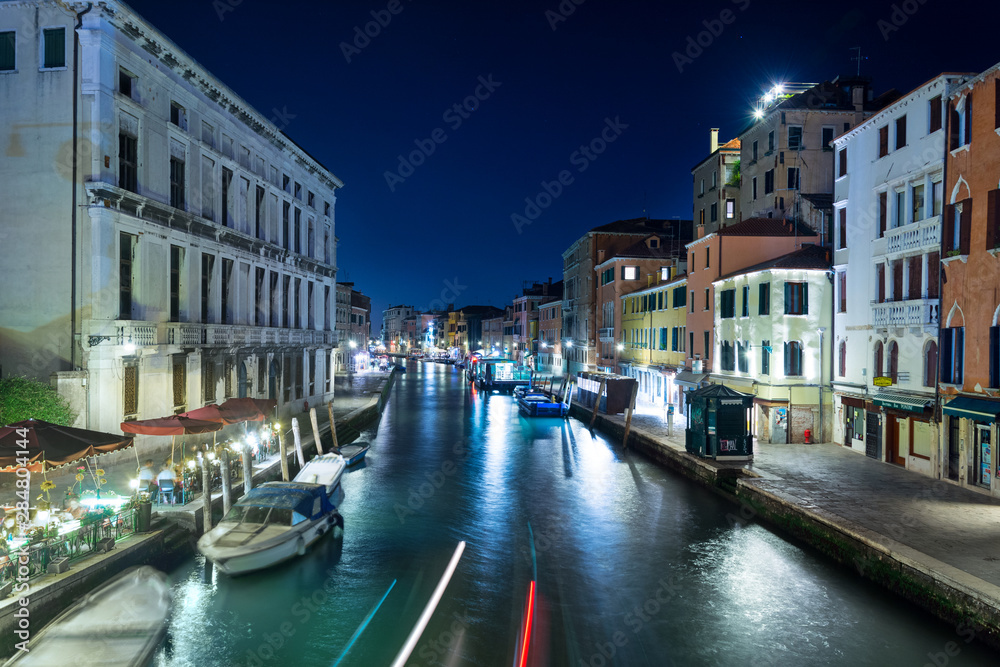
(508, 332)
(173, 247)
(888, 200)
(650, 261)
(579, 315)
(751, 241)
(786, 154)
(359, 332)
(652, 337)
(525, 333)
(469, 336)
(717, 186)
(392, 327)
(493, 333)
(772, 339)
(969, 382)
(550, 360)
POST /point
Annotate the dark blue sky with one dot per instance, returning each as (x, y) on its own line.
(444, 232)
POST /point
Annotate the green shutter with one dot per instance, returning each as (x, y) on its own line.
(55, 47)
(805, 298)
(7, 59)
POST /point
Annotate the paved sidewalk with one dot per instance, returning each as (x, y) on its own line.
(958, 527)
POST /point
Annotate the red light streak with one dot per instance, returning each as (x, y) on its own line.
(527, 626)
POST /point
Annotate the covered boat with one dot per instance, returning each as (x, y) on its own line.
(539, 404)
(355, 453)
(271, 524)
(119, 624)
(327, 470)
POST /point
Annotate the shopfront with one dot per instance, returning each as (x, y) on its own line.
(971, 432)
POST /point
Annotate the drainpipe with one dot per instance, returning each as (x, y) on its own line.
(822, 330)
(73, 186)
(938, 418)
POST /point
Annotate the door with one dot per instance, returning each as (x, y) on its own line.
(848, 426)
(892, 440)
(779, 426)
(241, 380)
(272, 380)
(873, 436)
(953, 458)
(984, 456)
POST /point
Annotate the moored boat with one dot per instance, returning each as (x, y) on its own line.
(532, 404)
(327, 470)
(354, 453)
(270, 524)
(119, 624)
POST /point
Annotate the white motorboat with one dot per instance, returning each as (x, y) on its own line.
(271, 524)
(119, 624)
(327, 470)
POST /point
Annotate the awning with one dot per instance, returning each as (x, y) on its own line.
(689, 379)
(901, 402)
(977, 409)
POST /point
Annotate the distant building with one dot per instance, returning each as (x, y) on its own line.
(550, 359)
(969, 383)
(786, 155)
(717, 186)
(526, 318)
(172, 247)
(471, 321)
(392, 326)
(580, 316)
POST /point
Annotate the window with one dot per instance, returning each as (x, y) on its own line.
(126, 257)
(227, 284)
(994, 357)
(227, 205)
(899, 209)
(730, 209)
(130, 391)
(937, 190)
(745, 311)
(795, 138)
(842, 359)
(207, 134)
(701, 187)
(692, 301)
(877, 364)
(298, 191)
(176, 261)
(842, 227)
(630, 273)
(769, 181)
(996, 104)
(933, 266)
(793, 178)
(179, 366)
(128, 153)
(935, 114)
(297, 230)
(883, 213)
(715, 212)
(260, 312)
(727, 303)
(741, 357)
(727, 360)
(753, 188)
(900, 132)
(842, 159)
(957, 227)
(754, 151)
(54, 48)
(258, 212)
(765, 357)
(708, 257)
(842, 291)
(326, 208)
(883, 141)
(793, 358)
(960, 123)
(917, 199)
(828, 138)
(953, 354)
(880, 282)
(207, 264)
(992, 220)
(127, 84)
(796, 298)
(715, 179)
(708, 341)
(894, 361)
(311, 199)
(177, 180)
(708, 303)
(286, 301)
(8, 53)
(286, 237)
(764, 299)
(770, 141)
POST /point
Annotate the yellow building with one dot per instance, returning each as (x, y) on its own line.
(653, 339)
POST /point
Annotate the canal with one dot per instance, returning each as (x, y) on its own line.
(633, 565)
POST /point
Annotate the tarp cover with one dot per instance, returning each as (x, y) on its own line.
(296, 496)
(56, 445)
(172, 425)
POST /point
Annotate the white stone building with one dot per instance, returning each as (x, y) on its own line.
(887, 232)
(169, 245)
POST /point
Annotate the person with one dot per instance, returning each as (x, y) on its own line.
(147, 477)
(165, 480)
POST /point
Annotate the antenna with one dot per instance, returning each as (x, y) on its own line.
(858, 57)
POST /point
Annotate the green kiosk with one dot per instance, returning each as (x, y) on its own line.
(718, 421)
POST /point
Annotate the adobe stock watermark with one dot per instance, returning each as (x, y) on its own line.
(581, 158)
(363, 35)
(281, 118)
(563, 11)
(635, 619)
(455, 116)
(223, 7)
(952, 650)
(419, 495)
(21, 588)
(695, 45)
(434, 650)
(900, 14)
(452, 290)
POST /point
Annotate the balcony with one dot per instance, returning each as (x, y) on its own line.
(912, 313)
(924, 236)
(606, 334)
(234, 335)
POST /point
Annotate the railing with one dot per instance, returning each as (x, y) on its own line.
(913, 313)
(606, 334)
(187, 334)
(924, 235)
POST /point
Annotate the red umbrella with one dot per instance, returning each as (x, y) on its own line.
(172, 425)
(209, 413)
(242, 410)
(48, 446)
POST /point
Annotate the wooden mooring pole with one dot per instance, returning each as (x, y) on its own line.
(597, 403)
(227, 491)
(298, 443)
(284, 455)
(315, 425)
(206, 495)
(628, 416)
(333, 427)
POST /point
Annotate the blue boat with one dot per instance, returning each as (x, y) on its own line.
(538, 404)
(354, 453)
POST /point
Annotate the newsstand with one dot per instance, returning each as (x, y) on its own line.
(718, 424)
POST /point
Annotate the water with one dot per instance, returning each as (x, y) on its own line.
(634, 565)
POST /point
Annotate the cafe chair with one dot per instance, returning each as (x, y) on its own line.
(166, 494)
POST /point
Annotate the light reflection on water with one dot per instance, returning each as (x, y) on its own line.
(635, 566)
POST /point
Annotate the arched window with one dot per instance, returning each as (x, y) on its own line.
(893, 360)
(843, 359)
(877, 361)
(930, 364)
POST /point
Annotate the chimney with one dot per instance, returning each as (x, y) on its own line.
(715, 140)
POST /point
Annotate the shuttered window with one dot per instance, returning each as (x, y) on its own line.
(8, 60)
(796, 298)
(55, 47)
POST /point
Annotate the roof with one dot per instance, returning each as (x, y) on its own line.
(806, 258)
(485, 311)
(820, 200)
(732, 143)
(646, 226)
(766, 227)
(719, 391)
(641, 250)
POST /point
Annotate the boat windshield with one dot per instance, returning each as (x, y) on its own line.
(259, 515)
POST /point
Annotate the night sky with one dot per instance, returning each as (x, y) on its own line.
(549, 83)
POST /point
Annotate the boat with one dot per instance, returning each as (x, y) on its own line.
(534, 403)
(327, 470)
(399, 367)
(354, 453)
(272, 523)
(500, 374)
(121, 623)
